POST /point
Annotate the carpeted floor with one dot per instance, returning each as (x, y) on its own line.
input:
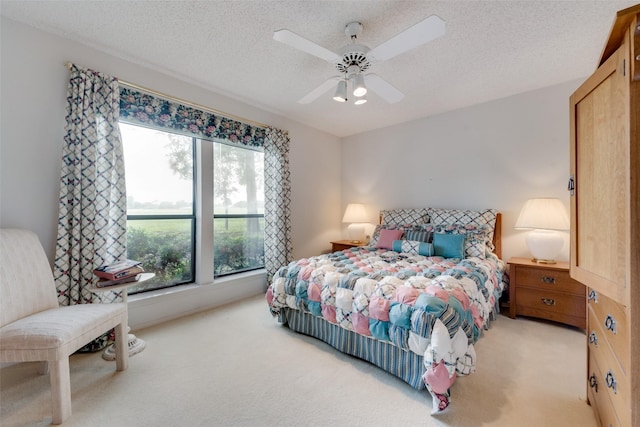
(235, 366)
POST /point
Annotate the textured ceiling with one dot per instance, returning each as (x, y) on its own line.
(491, 49)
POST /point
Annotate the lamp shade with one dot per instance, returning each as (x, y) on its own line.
(359, 89)
(341, 92)
(361, 100)
(543, 214)
(355, 212)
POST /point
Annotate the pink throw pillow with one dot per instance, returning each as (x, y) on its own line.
(437, 376)
(385, 241)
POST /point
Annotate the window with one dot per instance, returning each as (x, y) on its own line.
(161, 177)
(159, 171)
(238, 217)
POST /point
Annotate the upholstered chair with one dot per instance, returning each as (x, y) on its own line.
(34, 328)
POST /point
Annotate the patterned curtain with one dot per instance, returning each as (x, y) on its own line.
(92, 221)
(277, 187)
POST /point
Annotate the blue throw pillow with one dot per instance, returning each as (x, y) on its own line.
(421, 234)
(449, 245)
(413, 247)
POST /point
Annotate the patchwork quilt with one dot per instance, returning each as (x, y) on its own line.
(429, 305)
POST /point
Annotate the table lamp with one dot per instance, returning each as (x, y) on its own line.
(357, 216)
(545, 217)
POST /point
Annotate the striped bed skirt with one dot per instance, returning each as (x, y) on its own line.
(404, 364)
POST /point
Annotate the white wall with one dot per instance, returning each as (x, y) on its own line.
(34, 84)
(493, 155)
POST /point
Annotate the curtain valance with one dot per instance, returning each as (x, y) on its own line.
(148, 110)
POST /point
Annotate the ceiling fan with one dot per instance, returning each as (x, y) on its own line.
(354, 59)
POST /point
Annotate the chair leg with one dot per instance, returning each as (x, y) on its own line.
(60, 390)
(122, 347)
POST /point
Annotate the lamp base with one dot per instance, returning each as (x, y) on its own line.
(544, 245)
(356, 232)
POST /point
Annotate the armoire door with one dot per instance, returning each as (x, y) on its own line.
(600, 179)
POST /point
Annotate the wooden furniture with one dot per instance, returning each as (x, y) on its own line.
(134, 344)
(546, 291)
(605, 221)
(341, 245)
(33, 328)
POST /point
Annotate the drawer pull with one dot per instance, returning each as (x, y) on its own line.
(593, 382)
(593, 296)
(610, 323)
(593, 339)
(548, 279)
(611, 382)
(548, 301)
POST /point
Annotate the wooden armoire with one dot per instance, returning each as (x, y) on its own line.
(605, 221)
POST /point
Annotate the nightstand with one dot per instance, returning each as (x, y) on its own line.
(341, 245)
(546, 291)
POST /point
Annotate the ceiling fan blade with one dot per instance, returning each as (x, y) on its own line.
(320, 90)
(383, 89)
(294, 40)
(421, 33)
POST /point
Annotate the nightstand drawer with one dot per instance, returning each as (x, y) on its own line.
(546, 291)
(551, 305)
(611, 319)
(550, 280)
(341, 245)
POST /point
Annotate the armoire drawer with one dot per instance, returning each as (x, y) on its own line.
(549, 280)
(611, 318)
(612, 379)
(598, 397)
(566, 308)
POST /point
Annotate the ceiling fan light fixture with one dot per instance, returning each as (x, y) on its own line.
(341, 92)
(359, 89)
(361, 100)
(354, 59)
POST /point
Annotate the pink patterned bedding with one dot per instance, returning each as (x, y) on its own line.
(431, 306)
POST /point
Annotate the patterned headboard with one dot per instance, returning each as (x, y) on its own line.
(440, 216)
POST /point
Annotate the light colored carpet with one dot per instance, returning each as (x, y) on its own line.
(236, 366)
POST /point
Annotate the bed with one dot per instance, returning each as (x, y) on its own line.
(413, 302)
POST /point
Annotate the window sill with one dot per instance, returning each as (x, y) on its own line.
(239, 276)
(225, 280)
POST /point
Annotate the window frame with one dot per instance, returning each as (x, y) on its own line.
(202, 246)
(215, 216)
(192, 216)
